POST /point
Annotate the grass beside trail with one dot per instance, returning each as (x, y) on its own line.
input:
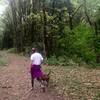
(77, 83)
(3, 59)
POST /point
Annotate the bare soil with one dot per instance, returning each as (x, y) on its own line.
(15, 81)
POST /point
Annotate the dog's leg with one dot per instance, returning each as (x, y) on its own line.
(43, 86)
(47, 82)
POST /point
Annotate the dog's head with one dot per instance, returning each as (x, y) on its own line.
(45, 78)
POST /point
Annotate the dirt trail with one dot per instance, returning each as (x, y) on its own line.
(15, 82)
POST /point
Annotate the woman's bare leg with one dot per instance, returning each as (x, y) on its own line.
(32, 83)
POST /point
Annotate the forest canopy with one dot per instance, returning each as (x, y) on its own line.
(58, 28)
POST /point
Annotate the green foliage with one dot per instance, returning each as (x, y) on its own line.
(61, 61)
(52, 60)
(97, 97)
(3, 60)
(65, 42)
(34, 17)
(12, 50)
(0, 41)
(60, 27)
(77, 42)
(84, 43)
(97, 43)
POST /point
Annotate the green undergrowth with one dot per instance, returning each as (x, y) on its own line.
(12, 50)
(70, 61)
(3, 60)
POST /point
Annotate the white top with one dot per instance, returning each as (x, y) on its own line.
(36, 58)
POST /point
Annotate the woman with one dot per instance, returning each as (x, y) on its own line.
(36, 61)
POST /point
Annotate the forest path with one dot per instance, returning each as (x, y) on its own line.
(15, 81)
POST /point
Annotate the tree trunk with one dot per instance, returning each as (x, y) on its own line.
(69, 7)
(86, 13)
(96, 44)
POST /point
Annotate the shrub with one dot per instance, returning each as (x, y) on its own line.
(61, 60)
(52, 60)
(12, 50)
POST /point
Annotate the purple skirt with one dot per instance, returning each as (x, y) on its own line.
(36, 71)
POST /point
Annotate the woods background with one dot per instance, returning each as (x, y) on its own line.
(60, 29)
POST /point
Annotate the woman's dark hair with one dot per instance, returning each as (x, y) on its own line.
(33, 50)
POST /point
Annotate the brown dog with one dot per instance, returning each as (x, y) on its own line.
(44, 81)
(46, 77)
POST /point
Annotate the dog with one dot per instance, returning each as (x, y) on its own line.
(44, 81)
